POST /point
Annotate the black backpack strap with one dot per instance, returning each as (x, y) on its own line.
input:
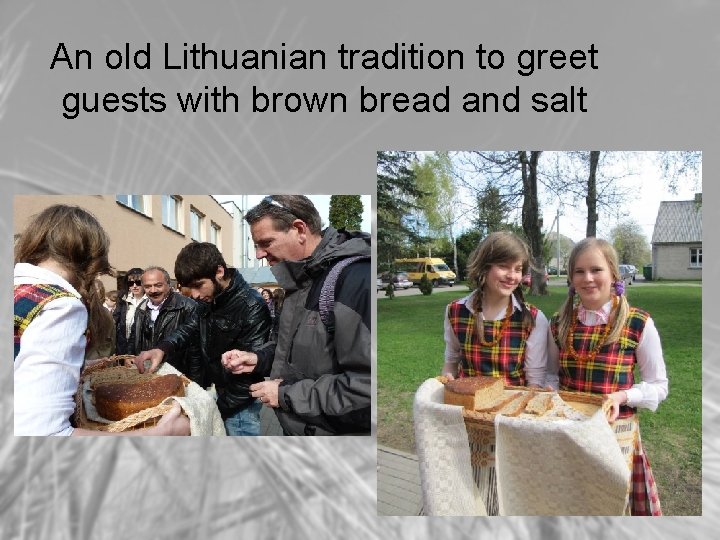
(327, 293)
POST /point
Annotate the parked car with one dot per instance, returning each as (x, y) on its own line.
(526, 279)
(627, 273)
(399, 280)
(379, 284)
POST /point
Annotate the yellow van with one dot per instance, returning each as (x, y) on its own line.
(436, 270)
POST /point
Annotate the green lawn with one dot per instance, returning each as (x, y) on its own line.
(410, 350)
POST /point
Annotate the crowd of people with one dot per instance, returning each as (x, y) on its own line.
(595, 343)
(302, 349)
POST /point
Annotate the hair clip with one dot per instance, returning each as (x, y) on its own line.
(571, 291)
(619, 287)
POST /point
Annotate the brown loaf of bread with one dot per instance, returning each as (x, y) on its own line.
(116, 401)
(474, 392)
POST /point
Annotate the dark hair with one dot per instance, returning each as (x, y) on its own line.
(284, 209)
(134, 272)
(74, 238)
(278, 298)
(198, 260)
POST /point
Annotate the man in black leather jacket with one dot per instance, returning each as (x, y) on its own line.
(234, 317)
(160, 314)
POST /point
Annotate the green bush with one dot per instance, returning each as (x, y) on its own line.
(390, 291)
(425, 285)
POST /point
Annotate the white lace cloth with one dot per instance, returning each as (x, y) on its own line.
(558, 467)
(444, 456)
(561, 467)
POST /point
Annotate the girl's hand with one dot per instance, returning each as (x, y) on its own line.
(616, 399)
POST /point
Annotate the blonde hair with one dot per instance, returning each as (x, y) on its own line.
(496, 248)
(72, 237)
(565, 316)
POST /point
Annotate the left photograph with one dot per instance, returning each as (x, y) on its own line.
(205, 315)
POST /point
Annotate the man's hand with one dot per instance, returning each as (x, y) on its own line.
(237, 362)
(266, 391)
(155, 356)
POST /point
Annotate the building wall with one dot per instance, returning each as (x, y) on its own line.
(136, 239)
(672, 261)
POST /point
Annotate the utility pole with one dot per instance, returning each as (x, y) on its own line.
(557, 242)
(556, 223)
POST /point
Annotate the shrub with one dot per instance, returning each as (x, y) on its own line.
(390, 291)
(425, 285)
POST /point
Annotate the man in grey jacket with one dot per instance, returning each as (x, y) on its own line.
(319, 367)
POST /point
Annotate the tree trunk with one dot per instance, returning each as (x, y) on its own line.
(531, 221)
(591, 199)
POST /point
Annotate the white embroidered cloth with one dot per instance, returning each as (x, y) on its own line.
(560, 467)
(554, 467)
(444, 455)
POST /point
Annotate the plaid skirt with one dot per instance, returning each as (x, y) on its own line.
(643, 497)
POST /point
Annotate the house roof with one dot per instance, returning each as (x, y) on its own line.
(678, 222)
(258, 276)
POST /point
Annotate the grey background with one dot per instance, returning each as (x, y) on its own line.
(656, 88)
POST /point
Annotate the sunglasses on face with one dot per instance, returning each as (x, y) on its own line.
(136, 282)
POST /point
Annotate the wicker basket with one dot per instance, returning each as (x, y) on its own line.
(118, 364)
(481, 424)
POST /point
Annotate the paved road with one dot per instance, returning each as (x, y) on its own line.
(554, 282)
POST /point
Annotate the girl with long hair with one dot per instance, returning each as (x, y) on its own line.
(57, 259)
(493, 331)
(597, 341)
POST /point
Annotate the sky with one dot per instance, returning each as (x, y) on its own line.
(646, 191)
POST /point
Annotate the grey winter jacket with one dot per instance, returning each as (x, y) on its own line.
(326, 375)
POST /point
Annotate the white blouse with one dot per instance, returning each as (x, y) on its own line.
(535, 346)
(52, 350)
(653, 387)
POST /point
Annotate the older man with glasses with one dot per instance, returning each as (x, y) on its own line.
(159, 315)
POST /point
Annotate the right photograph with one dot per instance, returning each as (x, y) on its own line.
(539, 333)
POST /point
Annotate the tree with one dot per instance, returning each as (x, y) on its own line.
(493, 210)
(346, 212)
(516, 175)
(680, 166)
(551, 251)
(396, 197)
(438, 203)
(630, 243)
(591, 199)
(466, 244)
(531, 220)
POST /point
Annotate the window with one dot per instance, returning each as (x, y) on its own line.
(215, 233)
(695, 257)
(196, 224)
(171, 206)
(136, 202)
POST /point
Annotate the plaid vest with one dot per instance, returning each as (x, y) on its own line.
(505, 360)
(29, 301)
(612, 368)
